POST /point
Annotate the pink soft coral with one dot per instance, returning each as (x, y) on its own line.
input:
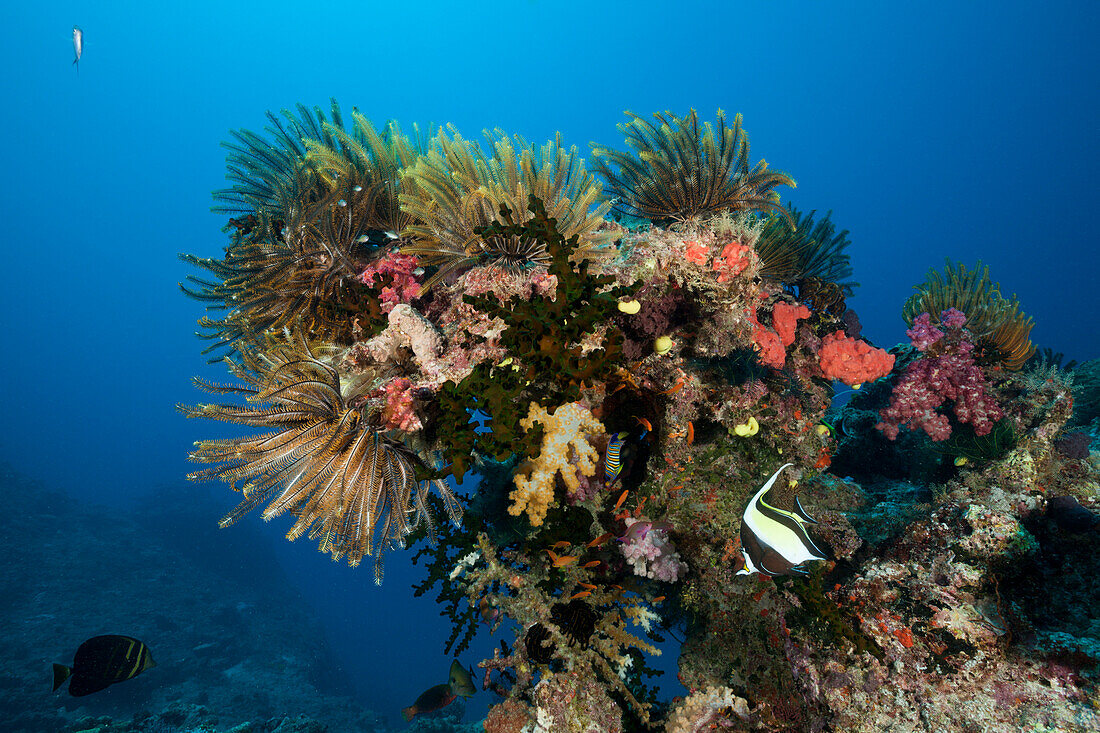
(404, 288)
(923, 334)
(399, 413)
(928, 382)
(647, 548)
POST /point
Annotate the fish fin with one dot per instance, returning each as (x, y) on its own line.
(409, 713)
(802, 512)
(60, 674)
(772, 563)
(811, 545)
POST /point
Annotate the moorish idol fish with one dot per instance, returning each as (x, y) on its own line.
(103, 661)
(78, 46)
(774, 541)
(612, 460)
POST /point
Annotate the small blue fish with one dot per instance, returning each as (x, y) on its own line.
(78, 46)
(612, 464)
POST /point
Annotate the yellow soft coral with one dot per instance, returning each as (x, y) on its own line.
(566, 428)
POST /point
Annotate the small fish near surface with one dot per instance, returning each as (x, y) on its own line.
(78, 46)
(460, 683)
(774, 541)
(102, 661)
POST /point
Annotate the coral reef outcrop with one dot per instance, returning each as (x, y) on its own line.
(619, 390)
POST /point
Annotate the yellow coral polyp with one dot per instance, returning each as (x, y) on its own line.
(565, 449)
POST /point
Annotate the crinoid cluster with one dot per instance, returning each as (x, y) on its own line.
(311, 204)
(457, 189)
(797, 251)
(636, 418)
(1001, 329)
(325, 458)
(679, 170)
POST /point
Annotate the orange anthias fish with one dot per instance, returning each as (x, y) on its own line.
(600, 540)
(675, 387)
(622, 498)
(560, 561)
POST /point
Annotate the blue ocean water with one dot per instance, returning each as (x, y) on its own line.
(930, 130)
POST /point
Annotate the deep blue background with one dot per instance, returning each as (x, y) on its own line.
(966, 130)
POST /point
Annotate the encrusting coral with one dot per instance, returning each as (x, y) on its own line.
(404, 315)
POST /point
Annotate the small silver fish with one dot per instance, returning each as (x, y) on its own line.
(78, 46)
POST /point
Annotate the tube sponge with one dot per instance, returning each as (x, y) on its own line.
(565, 449)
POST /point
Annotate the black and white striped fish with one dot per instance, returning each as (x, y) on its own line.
(774, 541)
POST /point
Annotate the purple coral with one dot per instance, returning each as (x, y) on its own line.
(656, 318)
(647, 548)
(923, 334)
(932, 380)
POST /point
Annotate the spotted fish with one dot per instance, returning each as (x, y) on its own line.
(774, 541)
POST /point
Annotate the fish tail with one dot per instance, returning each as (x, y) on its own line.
(60, 674)
(409, 713)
